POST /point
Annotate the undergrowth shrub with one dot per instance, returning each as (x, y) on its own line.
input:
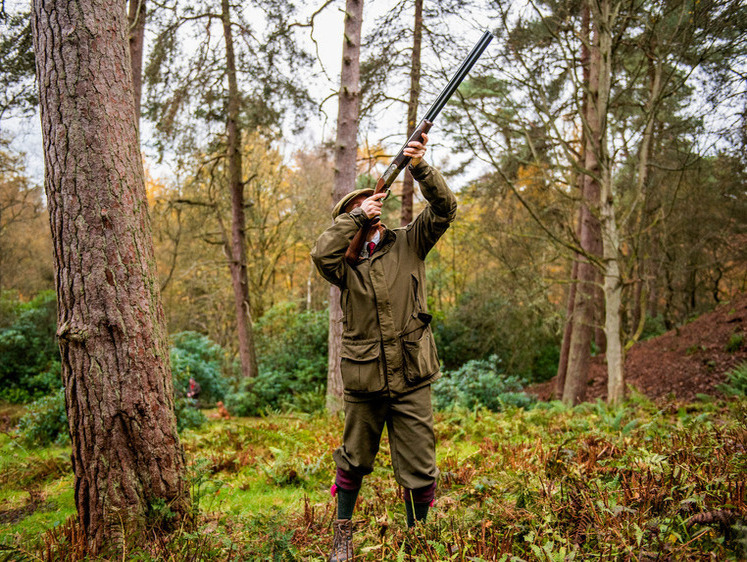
(45, 422)
(188, 416)
(481, 325)
(29, 356)
(653, 326)
(480, 382)
(735, 343)
(195, 356)
(292, 351)
(736, 381)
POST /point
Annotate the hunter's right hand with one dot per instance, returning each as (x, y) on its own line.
(372, 206)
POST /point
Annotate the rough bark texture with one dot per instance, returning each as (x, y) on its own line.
(346, 151)
(237, 248)
(408, 183)
(136, 20)
(590, 240)
(115, 357)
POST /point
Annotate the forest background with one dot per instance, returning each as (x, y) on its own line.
(512, 143)
(598, 154)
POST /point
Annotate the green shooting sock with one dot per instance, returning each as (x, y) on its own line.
(416, 512)
(346, 502)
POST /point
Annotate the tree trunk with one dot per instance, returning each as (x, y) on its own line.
(237, 251)
(565, 345)
(567, 331)
(408, 183)
(612, 282)
(642, 240)
(136, 20)
(574, 390)
(346, 151)
(114, 350)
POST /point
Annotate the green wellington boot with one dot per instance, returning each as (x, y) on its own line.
(342, 547)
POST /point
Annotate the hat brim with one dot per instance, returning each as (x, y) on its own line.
(342, 203)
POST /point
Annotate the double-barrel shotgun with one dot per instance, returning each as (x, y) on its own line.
(400, 160)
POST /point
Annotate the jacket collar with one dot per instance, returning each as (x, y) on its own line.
(387, 240)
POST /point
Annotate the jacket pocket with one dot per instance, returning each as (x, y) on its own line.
(420, 358)
(360, 366)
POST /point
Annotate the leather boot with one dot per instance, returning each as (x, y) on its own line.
(342, 547)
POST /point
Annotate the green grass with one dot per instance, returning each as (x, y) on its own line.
(552, 483)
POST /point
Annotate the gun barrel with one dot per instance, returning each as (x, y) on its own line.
(459, 76)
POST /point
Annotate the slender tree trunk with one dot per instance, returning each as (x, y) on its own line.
(136, 20)
(346, 152)
(114, 350)
(640, 298)
(566, 343)
(408, 183)
(237, 249)
(603, 16)
(590, 240)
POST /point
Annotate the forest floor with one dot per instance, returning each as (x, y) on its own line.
(683, 363)
(658, 477)
(640, 481)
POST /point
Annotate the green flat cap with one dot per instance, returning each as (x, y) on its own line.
(348, 198)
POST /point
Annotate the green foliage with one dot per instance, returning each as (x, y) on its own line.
(292, 350)
(188, 416)
(29, 356)
(553, 483)
(736, 341)
(18, 94)
(481, 326)
(736, 381)
(45, 422)
(653, 326)
(480, 383)
(195, 355)
(289, 340)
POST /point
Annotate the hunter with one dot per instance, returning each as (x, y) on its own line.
(388, 355)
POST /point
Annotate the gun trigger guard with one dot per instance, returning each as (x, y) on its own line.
(388, 192)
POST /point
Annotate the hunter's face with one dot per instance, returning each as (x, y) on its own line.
(354, 203)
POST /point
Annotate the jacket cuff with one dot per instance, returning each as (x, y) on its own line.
(359, 216)
(420, 171)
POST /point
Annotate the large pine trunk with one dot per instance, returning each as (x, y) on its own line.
(586, 294)
(408, 183)
(236, 247)
(126, 454)
(346, 152)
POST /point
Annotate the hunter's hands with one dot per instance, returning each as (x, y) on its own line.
(372, 206)
(416, 150)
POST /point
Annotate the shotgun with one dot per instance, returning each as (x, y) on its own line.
(352, 255)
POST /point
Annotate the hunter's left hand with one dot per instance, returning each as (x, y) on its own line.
(416, 150)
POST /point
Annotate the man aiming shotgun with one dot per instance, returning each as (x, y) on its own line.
(388, 355)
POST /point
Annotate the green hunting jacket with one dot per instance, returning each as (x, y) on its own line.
(387, 342)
